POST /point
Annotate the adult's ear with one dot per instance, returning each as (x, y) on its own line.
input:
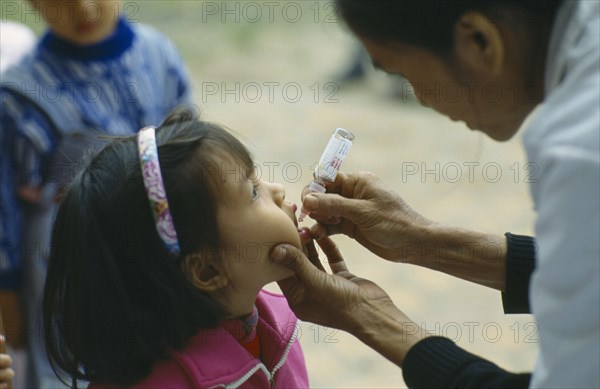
(479, 45)
(204, 272)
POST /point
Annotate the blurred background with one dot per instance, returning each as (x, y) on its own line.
(283, 75)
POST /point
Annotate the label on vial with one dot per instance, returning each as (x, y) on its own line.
(332, 158)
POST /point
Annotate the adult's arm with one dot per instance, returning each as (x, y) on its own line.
(437, 362)
(363, 309)
(360, 206)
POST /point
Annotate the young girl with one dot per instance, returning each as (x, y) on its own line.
(159, 253)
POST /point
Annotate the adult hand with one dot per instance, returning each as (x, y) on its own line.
(344, 301)
(332, 300)
(360, 206)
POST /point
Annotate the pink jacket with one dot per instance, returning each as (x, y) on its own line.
(215, 359)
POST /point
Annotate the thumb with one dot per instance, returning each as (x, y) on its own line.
(295, 260)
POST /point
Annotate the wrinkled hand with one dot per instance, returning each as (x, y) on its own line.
(360, 206)
(339, 300)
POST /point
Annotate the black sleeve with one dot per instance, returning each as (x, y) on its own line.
(520, 264)
(436, 362)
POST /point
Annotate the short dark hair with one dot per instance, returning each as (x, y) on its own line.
(430, 23)
(115, 300)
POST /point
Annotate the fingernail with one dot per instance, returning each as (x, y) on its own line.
(317, 232)
(304, 234)
(310, 202)
(2, 339)
(278, 253)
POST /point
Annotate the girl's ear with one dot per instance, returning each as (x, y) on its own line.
(204, 272)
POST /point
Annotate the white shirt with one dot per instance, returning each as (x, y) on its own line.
(563, 141)
(16, 40)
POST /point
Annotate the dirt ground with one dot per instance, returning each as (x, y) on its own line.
(266, 69)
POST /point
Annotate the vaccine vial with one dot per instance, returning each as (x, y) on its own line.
(329, 164)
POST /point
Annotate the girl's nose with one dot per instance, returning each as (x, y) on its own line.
(278, 193)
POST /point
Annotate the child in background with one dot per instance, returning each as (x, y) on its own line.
(16, 41)
(92, 72)
(159, 255)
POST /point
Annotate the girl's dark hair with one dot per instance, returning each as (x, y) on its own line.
(430, 23)
(115, 300)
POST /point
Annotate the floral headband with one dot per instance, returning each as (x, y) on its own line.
(155, 188)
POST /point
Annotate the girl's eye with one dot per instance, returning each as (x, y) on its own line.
(254, 190)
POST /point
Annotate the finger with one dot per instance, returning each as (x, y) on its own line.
(329, 205)
(313, 255)
(5, 361)
(292, 258)
(291, 288)
(332, 187)
(308, 200)
(304, 233)
(305, 192)
(322, 229)
(306, 274)
(341, 179)
(334, 256)
(6, 375)
(329, 220)
(331, 250)
(339, 267)
(307, 243)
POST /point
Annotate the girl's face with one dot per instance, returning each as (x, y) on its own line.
(82, 22)
(253, 217)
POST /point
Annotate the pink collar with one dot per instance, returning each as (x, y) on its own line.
(244, 329)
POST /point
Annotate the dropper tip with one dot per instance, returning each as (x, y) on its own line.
(303, 214)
